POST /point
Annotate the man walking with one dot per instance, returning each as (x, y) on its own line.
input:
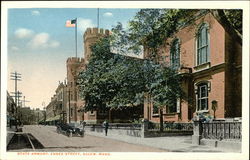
(106, 126)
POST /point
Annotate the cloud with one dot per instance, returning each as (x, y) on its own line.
(14, 48)
(108, 14)
(35, 13)
(83, 24)
(23, 33)
(42, 40)
(54, 44)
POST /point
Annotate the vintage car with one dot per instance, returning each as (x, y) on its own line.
(70, 129)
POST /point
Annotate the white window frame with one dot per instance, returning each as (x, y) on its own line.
(206, 84)
(203, 25)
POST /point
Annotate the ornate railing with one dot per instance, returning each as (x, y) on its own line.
(171, 126)
(221, 130)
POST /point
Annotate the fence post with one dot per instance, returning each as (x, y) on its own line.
(144, 127)
(197, 129)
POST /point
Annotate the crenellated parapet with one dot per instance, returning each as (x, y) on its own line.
(71, 60)
(95, 32)
(91, 36)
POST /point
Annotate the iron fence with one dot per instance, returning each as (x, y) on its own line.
(222, 130)
(171, 126)
(117, 126)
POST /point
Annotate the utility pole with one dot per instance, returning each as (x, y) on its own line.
(24, 101)
(38, 117)
(16, 77)
(69, 104)
(43, 104)
(97, 17)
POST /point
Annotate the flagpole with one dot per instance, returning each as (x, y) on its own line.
(76, 36)
(97, 17)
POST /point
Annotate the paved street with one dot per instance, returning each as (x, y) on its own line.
(53, 141)
(98, 142)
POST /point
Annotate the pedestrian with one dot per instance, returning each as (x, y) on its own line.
(106, 126)
(83, 128)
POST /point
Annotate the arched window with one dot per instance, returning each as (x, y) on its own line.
(202, 45)
(175, 54)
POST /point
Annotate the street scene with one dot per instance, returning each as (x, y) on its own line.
(103, 80)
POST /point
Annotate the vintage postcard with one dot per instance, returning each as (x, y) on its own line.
(125, 80)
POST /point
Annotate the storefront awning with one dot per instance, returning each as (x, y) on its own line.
(57, 117)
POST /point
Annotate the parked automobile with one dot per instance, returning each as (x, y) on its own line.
(74, 128)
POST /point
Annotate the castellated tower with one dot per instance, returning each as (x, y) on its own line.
(74, 66)
(91, 36)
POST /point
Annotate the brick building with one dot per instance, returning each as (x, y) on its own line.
(11, 110)
(76, 104)
(209, 61)
(57, 110)
(74, 66)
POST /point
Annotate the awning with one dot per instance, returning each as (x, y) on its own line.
(57, 117)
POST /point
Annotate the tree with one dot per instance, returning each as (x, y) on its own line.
(115, 80)
(111, 80)
(151, 27)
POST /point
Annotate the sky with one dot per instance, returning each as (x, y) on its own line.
(39, 45)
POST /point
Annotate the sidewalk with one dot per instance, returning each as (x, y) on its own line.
(171, 144)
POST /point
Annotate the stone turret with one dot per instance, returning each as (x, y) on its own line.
(91, 36)
(73, 67)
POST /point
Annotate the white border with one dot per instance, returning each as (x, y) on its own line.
(132, 4)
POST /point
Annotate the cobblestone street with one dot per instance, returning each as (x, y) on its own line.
(52, 141)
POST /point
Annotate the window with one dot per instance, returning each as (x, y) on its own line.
(202, 96)
(171, 109)
(71, 112)
(175, 54)
(175, 108)
(202, 45)
(155, 110)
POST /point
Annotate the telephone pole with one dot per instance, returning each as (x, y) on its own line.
(97, 17)
(16, 77)
(69, 104)
(24, 101)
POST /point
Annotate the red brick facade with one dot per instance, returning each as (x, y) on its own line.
(221, 73)
(74, 66)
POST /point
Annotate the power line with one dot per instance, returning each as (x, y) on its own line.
(17, 94)
(24, 101)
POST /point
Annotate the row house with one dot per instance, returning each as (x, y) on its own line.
(11, 110)
(56, 110)
(209, 61)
